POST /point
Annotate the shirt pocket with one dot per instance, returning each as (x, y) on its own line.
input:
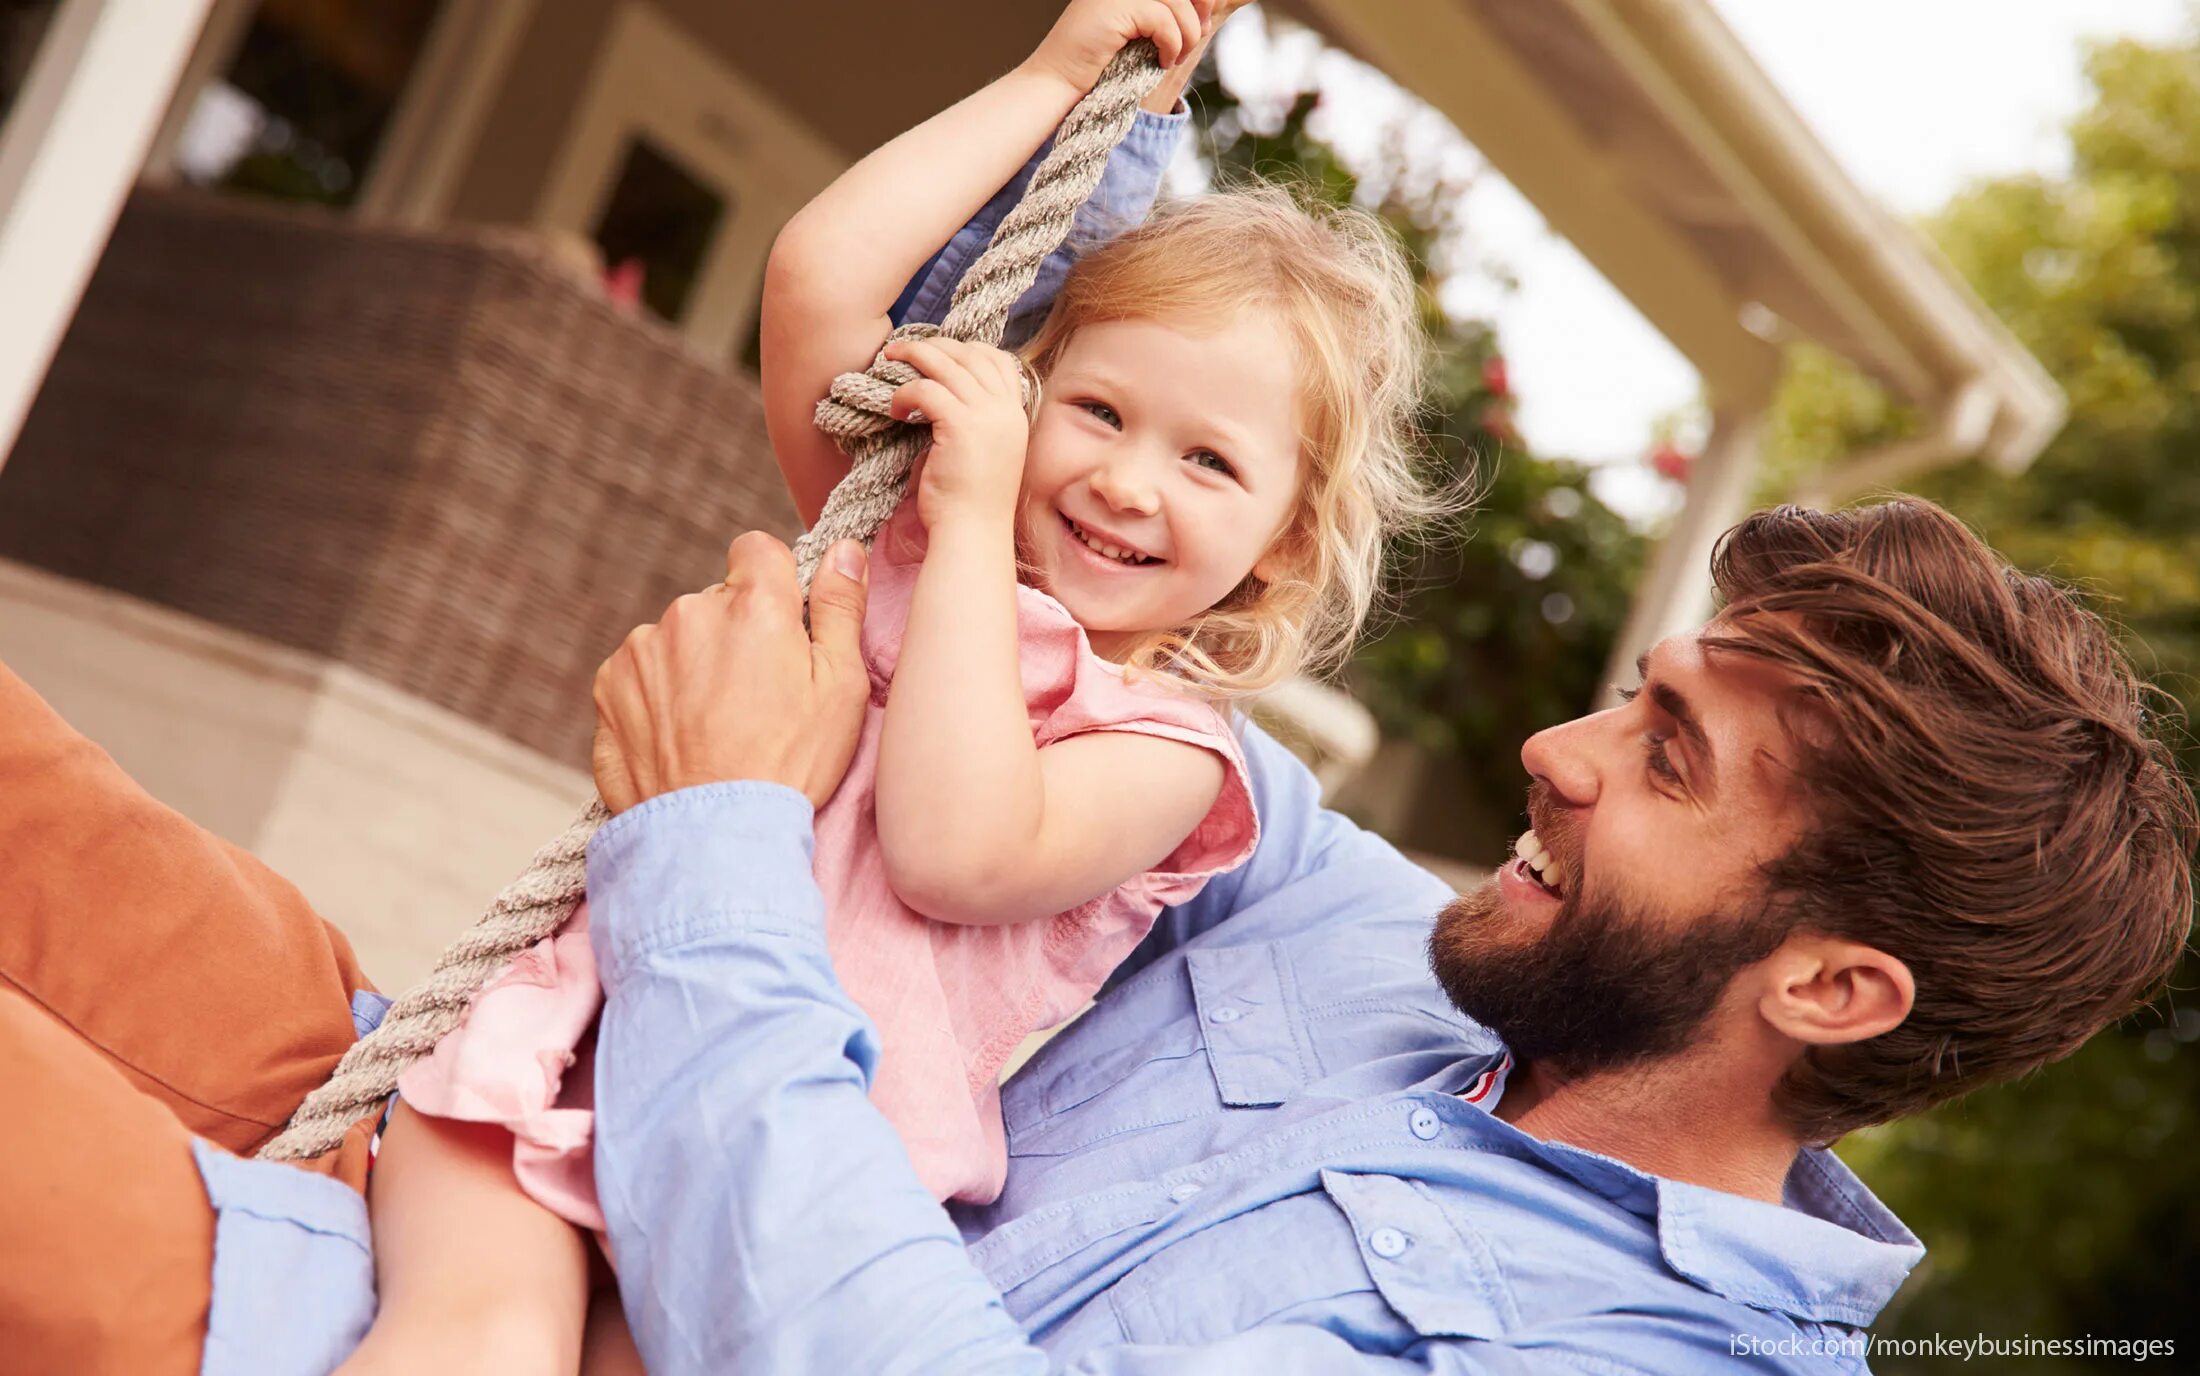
(1170, 1046)
(1249, 1015)
(1289, 1261)
(1371, 1258)
(1065, 1103)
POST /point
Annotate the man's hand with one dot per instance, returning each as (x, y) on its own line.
(728, 685)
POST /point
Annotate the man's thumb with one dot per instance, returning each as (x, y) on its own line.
(837, 593)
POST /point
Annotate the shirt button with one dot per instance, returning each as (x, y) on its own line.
(1226, 1015)
(1387, 1242)
(1425, 1123)
(1183, 1192)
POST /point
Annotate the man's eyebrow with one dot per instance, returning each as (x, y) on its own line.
(1671, 702)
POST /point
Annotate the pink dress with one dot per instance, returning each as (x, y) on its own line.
(951, 1002)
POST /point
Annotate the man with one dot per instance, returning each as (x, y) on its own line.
(1889, 828)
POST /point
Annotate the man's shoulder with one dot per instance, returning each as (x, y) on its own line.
(1314, 865)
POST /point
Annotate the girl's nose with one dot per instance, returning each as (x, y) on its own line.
(1126, 484)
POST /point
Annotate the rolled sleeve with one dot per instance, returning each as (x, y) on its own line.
(1125, 194)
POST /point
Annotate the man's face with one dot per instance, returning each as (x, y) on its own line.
(1614, 942)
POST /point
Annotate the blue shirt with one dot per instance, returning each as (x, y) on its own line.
(1266, 1147)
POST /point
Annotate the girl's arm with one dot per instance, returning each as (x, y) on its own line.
(976, 822)
(472, 1275)
(838, 266)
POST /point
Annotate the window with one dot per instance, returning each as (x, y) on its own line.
(659, 223)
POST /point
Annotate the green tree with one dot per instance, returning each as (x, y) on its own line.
(2070, 1204)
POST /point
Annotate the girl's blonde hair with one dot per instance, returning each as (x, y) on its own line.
(1338, 280)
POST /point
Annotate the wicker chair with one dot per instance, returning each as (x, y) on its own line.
(438, 457)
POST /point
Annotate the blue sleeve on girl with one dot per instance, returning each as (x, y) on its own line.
(1126, 192)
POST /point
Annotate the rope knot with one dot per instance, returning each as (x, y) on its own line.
(857, 406)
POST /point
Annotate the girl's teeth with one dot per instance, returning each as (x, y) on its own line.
(1121, 556)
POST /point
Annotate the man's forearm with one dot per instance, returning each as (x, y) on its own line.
(765, 1217)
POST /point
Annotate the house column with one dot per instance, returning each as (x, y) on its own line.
(1675, 594)
(69, 154)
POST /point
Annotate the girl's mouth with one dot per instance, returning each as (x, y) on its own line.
(1105, 551)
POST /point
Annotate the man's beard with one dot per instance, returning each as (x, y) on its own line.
(1605, 986)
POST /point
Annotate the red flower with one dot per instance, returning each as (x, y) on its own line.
(1494, 376)
(1672, 462)
(622, 285)
(1496, 421)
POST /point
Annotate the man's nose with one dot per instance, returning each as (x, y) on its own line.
(1568, 758)
(1126, 482)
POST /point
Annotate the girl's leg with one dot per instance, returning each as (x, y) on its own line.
(109, 1254)
(200, 974)
(473, 1275)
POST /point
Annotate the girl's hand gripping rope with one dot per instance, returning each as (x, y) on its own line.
(974, 396)
(1091, 32)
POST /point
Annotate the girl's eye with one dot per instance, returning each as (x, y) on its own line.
(1103, 413)
(1213, 462)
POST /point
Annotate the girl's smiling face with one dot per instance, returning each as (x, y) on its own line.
(1178, 452)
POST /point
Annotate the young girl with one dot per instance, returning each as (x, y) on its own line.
(1192, 509)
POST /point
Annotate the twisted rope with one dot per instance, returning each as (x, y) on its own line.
(881, 451)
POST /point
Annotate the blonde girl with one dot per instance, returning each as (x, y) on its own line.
(1060, 617)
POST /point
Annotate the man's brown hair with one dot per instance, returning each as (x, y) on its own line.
(1991, 801)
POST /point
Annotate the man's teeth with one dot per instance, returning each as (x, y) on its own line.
(1115, 552)
(1530, 850)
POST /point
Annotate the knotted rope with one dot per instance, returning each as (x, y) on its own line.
(881, 450)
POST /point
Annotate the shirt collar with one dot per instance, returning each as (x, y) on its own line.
(1830, 1253)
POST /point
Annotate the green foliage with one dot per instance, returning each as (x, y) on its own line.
(2070, 1204)
(1491, 635)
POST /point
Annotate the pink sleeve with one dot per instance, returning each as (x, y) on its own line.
(1102, 699)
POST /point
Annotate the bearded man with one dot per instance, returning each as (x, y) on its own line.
(1891, 827)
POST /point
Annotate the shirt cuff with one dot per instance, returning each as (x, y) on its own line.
(709, 862)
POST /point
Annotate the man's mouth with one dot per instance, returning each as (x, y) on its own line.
(1109, 547)
(1540, 865)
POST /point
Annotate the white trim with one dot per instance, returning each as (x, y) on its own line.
(437, 124)
(68, 155)
(652, 79)
(1675, 594)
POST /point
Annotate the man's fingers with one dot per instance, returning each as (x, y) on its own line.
(760, 574)
(838, 591)
(755, 556)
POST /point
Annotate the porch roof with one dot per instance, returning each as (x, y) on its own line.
(1646, 134)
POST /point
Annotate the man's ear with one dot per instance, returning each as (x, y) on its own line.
(1824, 991)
